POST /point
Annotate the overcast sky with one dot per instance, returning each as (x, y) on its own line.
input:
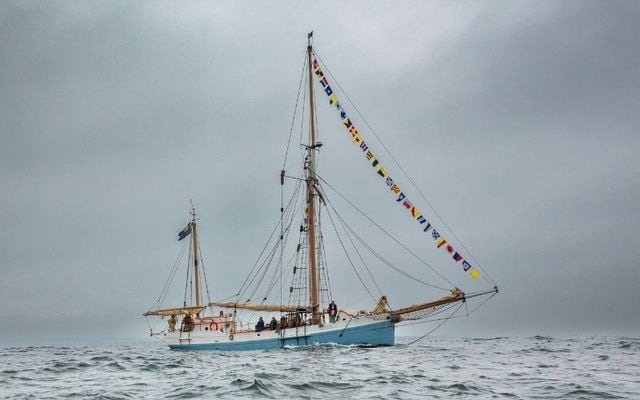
(520, 121)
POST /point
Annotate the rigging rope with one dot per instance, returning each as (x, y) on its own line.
(482, 303)
(262, 271)
(265, 260)
(434, 311)
(284, 237)
(454, 317)
(167, 284)
(379, 257)
(388, 234)
(485, 275)
(244, 283)
(225, 299)
(186, 283)
(295, 110)
(349, 259)
(304, 107)
(284, 165)
(281, 256)
(323, 259)
(204, 274)
(298, 281)
(251, 277)
(438, 326)
(355, 248)
(275, 278)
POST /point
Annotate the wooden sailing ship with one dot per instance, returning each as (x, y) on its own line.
(309, 316)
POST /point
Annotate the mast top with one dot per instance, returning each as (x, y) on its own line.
(309, 38)
(196, 275)
(193, 211)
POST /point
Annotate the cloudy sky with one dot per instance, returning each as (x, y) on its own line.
(520, 122)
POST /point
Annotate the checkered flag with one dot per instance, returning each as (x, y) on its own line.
(435, 234)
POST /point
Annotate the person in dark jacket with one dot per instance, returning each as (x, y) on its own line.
(260, 325)
(273, 325)
(187, 323)
(332, 311)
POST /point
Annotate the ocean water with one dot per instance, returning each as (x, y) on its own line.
(531, 368)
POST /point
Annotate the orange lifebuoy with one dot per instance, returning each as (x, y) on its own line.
(211, 326)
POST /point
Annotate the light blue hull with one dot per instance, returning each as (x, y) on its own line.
(380, 333)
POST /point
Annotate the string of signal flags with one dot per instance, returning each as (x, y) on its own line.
(394, 188)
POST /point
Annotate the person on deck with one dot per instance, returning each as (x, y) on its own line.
(260, 325)
(273, 324)
(297, 320)
(283, 322)
(187, 323)
(332, 311)
(172, 323)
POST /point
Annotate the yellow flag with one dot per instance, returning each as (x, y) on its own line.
(474, 273)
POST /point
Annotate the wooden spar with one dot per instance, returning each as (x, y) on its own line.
(176, 311)
(311, 177)
(262, 307)
(196, 276)
(455, 296)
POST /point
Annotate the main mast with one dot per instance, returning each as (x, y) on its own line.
(196, 276)
(311, 179)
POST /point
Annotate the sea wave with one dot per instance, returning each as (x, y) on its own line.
(501, 367)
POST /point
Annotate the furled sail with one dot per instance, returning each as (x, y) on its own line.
(455, 296)
(263, 307)
(174, 311)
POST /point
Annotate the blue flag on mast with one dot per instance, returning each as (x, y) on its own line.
(185, 232)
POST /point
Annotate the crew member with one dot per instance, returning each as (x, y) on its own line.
(172, 323)
(187, 323)
(260, 325)
(332, 311)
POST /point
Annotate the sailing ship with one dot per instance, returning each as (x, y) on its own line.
(309, 316)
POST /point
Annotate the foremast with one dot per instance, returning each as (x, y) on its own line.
(196, 307)
(196, 274)
(311, 195)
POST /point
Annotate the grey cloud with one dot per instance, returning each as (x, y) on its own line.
(519, 122)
